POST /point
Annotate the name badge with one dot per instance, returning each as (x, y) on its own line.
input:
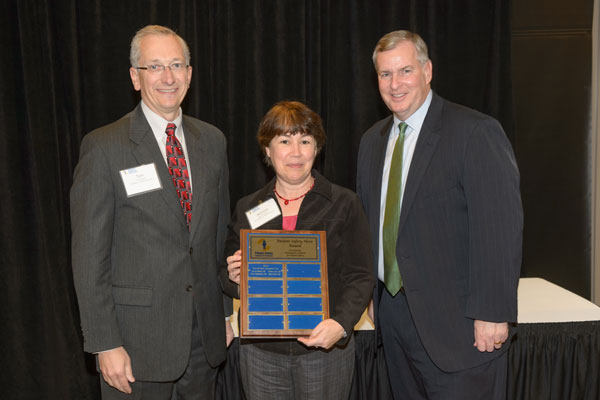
(262, 213)
(141, 179)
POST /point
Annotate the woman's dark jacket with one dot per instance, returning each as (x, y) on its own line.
(338, 212)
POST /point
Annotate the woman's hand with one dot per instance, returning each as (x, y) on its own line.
(325, 335)
(229, 335)
(370, 312)
(234, 262)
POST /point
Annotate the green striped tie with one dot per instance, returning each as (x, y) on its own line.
(391, 220)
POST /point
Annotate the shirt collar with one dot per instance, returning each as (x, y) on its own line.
(415, 121)
(159, 124)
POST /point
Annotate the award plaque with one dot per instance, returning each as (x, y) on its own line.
(283, 285)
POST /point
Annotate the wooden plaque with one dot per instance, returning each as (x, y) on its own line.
(283, 285)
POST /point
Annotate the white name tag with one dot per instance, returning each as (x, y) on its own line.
(262, 213)
(142, 179)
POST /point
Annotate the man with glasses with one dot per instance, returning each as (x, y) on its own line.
(149, 207)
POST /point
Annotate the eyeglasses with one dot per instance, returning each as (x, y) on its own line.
(159, 68)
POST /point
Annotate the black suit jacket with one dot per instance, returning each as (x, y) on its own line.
(460, 233)
(138, 271)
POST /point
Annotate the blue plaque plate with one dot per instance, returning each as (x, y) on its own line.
(265, 304)
(256, 270)
(304, 321)
(266, 322)
(303, 271)
(304, 287)
(305, 304)
(265, 287)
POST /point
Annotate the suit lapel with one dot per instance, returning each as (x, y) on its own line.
(377, 174)
(147, 152)
(426, 144)
(197, 160)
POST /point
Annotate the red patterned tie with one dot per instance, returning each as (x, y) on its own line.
(179, 172)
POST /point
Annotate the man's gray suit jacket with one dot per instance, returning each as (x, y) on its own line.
(139, 272)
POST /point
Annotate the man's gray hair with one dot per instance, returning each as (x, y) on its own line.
(134, 54)
(390, 40)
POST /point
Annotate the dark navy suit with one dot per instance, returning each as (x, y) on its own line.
(460, 234)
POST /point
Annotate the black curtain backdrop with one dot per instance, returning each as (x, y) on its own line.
(64, 72)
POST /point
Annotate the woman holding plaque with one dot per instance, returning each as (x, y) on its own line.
(321, 365)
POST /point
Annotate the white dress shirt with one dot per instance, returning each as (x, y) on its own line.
(414, 122)
(159, 126)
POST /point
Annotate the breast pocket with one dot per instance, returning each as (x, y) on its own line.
(442, 195)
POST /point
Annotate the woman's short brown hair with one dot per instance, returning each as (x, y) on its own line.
(290, 117)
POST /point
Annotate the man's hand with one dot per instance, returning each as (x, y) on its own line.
(325, 335)
(115, 365)
(228, 332)
(489, 335)
(234, 262)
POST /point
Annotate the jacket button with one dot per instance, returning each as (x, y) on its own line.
(191, 250)
(188, 288)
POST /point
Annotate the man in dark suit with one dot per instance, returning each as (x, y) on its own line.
(149, 208)
(440, 186)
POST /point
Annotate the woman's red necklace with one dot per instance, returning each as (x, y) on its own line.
(287, 201)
